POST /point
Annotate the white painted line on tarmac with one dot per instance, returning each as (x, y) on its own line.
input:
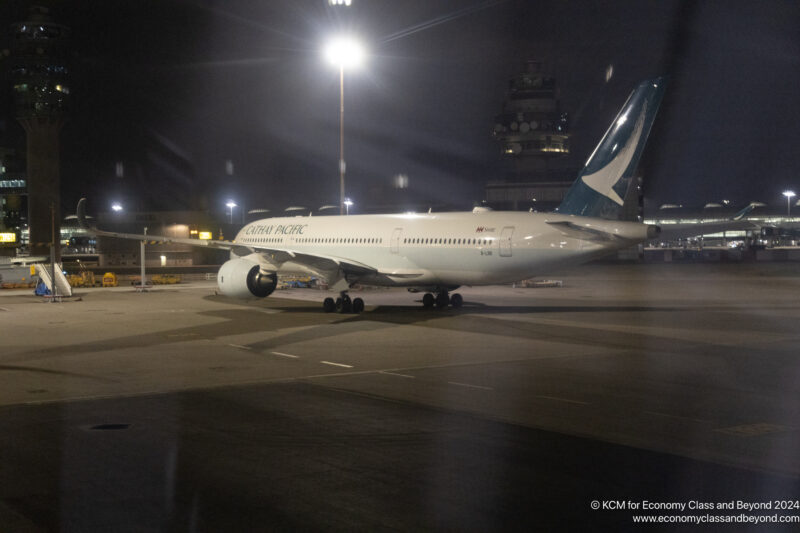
(240, 346)
(469, 385)
(394, 374)
(336, 364)
(562, 400)
(290, 356)
(701, 421)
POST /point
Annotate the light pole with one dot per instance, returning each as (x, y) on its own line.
(343, 52)
(789, 195)
(231, 204)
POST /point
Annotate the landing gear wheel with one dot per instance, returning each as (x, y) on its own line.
(343, 304)
(456, 300)
(427, 300)
(442, 300)
(329, 305)
(358, 305)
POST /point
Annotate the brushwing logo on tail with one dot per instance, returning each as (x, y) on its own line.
(603, 180)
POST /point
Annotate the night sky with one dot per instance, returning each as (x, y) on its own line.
(173, 89)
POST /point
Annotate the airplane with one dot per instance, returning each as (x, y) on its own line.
(435, 253)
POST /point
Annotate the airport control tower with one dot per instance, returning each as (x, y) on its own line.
(533, 133)
(38, 70)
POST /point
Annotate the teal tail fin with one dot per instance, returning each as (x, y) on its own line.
(603, 183)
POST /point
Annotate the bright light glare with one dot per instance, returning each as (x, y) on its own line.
(231, 204)
(116, 207)
(789, 194)
(348, 202)
(345, 52)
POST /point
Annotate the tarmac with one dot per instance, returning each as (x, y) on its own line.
(182, 410)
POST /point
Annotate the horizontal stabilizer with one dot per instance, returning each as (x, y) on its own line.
(605, 232)
(580, 232)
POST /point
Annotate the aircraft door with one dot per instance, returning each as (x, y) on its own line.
(505, 241)
(395, 243)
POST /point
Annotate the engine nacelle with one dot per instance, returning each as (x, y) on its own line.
(240, 278)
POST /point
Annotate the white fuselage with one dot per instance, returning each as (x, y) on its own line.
(447, 249)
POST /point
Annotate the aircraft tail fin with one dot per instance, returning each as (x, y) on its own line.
(603, 182)
(746, 211)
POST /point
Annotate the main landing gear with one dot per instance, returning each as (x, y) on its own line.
(442, 300)
(343, 304)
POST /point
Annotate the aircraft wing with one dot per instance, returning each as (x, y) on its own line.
(272, 256)
(316, 262)
(81, 214)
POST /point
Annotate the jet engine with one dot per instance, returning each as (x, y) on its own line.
(240, 278)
